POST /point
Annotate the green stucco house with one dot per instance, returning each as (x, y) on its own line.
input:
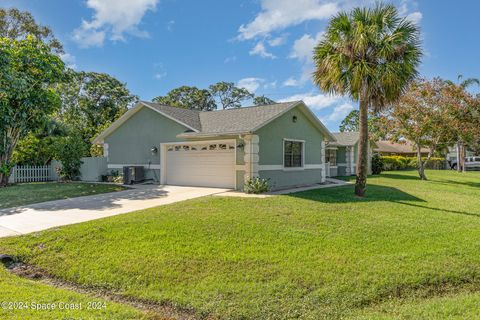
(282, 142)
(341, 155)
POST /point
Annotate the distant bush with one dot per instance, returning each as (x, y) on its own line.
(256, 185)
(392, 163)
(377, 164)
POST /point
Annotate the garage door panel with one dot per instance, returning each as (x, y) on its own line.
(210, 168)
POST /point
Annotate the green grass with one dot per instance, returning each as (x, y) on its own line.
(28, 295)
(411, 248)
(28, 193)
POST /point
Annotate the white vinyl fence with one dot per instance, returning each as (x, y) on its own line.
(91, 170)
(31, 174)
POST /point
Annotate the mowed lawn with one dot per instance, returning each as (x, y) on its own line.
(29, 193)
(25, 299)
(411, 249)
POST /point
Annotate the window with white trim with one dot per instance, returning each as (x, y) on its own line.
(292, 154)
(331, 157)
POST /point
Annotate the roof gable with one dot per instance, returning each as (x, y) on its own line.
(223, 122)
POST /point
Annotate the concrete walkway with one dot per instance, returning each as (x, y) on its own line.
(41, 216)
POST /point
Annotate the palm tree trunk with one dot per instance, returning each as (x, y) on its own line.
(362, 163)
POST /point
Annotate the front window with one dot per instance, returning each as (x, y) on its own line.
(293, 154)
(331, 157)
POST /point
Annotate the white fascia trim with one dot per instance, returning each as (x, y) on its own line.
(169, 117)
(120, 166)
(279, 167)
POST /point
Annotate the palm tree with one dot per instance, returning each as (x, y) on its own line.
(369, 54)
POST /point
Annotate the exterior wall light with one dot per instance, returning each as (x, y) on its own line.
(154, 150)
(294, 118)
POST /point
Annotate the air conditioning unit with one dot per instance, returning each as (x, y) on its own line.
(133, 174)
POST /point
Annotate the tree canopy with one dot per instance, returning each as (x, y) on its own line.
(229, 96)
(221, 95)
(91, 102)
(28, 72)
(370, 55)
(188, 98)
(432, 114)
(17, 25)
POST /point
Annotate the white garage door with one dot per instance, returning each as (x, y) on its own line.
(205, 165)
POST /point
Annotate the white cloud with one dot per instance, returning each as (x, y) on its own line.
(230, 59)
(170, 25)
(340, 112)
(112, 18)
(302, 50)
(315, 101)
(278, 41)
(69, 60)
(303, 47)
(260, 50)
(291, 82)
(415, 17)
(280, 14)
(409, 8)
(251, 84)
(160, 75)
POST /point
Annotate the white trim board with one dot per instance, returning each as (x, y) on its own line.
(279, 167)
(120, 166)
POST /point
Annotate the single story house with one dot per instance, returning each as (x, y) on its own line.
(283, 142)
(341, 155)
(403, 148)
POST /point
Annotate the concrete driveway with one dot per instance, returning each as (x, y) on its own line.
(45, 215)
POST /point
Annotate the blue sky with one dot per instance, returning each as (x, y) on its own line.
(263, 45)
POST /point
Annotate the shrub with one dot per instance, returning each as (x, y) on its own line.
(256, 185)
(392, 163)
(377, 164)
(69, 151)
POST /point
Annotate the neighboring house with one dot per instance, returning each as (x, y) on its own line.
(404, 148)
(282, 142)
(341, 155)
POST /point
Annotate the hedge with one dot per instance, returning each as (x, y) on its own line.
(392, 163)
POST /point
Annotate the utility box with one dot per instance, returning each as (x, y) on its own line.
(133, 174)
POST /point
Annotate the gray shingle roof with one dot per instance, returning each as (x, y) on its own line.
(229, 121)
(345, 138)
(187, 116)
(241, 119)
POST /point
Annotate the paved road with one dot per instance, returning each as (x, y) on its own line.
(41, 216)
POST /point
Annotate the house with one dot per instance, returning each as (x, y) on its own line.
(404, 148)
(341, 155)
(283, 142)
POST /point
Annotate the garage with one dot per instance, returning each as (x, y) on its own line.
(205, 164)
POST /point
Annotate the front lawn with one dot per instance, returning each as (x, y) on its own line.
(410, 249)
(25, 299)
(28, 193)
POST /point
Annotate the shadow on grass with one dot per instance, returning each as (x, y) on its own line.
(399, 176)
(344, 194)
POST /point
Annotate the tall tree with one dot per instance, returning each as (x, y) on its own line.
(370, 55)
(28, 72)
(228, 96)
(262, 101)
(17, 25)
(428, 115)
(464, 83)
(91, 102)
(376, 129)
(188, 98)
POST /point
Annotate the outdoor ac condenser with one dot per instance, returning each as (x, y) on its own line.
(133, 174)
